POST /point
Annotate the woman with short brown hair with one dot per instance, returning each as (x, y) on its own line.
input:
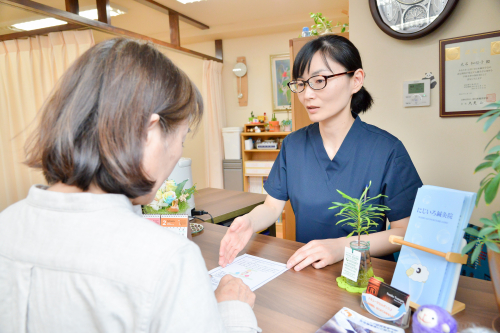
(75, 256)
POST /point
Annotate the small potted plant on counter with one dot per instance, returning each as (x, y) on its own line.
(274, 124)
(360, 215)
(287, 125)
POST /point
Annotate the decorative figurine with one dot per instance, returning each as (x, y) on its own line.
(433, 319)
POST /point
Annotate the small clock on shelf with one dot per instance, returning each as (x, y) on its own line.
(410, 19)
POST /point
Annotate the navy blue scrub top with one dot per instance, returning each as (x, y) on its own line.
(305, 174)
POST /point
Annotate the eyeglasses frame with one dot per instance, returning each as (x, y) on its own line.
(307, 81)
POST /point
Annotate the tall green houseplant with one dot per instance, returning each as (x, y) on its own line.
(360, 214)
(490, 233)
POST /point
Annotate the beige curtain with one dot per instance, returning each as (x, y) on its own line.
(214, 120)
(29, 69)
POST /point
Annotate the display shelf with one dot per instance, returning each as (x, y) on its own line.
(247, 134)
(262, 151)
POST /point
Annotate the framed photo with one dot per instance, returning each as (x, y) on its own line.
(410, 19)
(280, 76)
(469, 68)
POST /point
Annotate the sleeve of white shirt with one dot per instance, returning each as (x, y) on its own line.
(184, 300)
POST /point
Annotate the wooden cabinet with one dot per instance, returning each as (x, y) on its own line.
(266, 155)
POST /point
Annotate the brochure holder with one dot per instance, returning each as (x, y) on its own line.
(449, 256)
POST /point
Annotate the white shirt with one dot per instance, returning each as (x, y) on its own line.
(86, 262)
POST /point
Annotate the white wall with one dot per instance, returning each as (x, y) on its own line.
(445, 151)
(257, 51)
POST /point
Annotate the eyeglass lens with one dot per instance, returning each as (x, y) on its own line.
(315, 82)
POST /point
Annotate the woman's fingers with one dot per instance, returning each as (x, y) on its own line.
(298, 256)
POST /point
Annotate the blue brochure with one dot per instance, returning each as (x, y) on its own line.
(438, 218)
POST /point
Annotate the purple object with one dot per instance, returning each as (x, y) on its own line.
(433, 319)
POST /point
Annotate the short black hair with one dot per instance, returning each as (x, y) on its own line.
(340, 50)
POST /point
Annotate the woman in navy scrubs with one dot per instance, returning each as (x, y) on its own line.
(338, 151)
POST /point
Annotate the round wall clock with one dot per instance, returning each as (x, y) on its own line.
(410, 19)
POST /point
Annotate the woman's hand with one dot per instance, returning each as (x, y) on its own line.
(235, 240)
(233, 289)
(319, 253)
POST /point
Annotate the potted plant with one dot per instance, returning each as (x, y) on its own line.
(490, 233)
(361, 216)
(287, 125)
(250, 119)
(321, 24)
(274, 124)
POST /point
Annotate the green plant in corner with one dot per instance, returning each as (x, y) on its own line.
(490, 233)
(343, 26)
(321, 24)
(358, 213)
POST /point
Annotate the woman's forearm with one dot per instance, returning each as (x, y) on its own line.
(263, 216)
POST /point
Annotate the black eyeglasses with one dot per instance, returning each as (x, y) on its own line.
(316, 82)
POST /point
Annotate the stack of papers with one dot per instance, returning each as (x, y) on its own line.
(437, 221)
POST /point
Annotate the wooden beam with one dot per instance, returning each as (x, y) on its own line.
(175, 34)
(103, 11)
(44, 31)
(42, 9)
(218, 49)
(165, 10)
(72, 6)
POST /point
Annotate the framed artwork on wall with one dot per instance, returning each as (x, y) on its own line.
(280, 76)
(410, 19)
(469, 68)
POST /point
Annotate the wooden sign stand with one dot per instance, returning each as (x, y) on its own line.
(449, 256)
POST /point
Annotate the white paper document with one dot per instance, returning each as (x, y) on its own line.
(254, 271)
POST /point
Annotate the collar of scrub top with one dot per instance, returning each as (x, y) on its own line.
(345, 152)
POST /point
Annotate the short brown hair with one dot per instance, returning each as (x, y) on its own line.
(94, 125)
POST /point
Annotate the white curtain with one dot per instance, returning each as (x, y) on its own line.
(214, 120)
(29, 69)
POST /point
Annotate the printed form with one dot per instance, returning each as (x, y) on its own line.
(254, 271)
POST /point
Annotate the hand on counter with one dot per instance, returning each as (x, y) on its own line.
(233, 289)
(318, 253)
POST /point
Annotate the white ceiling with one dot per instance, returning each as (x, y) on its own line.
(226, 18)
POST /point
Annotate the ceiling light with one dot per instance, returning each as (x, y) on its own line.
(189, 1)
(39, 24)
(52, 22)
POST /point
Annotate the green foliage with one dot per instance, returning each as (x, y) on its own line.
(321, 24)
(274, 117)
(490, 233)
(343, 26)
(358, 213)
(286, 122)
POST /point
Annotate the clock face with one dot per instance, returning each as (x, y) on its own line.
(409, 16)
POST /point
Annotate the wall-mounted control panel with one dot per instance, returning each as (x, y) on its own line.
(416, 93)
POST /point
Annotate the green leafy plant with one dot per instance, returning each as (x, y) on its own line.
(343, 26)
(490, 233)
(274, 117)
(321, 24)
(359, 213)
(286, 122)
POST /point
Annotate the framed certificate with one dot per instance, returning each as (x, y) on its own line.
(469, 69)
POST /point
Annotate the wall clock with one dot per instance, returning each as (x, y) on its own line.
(410, 19)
